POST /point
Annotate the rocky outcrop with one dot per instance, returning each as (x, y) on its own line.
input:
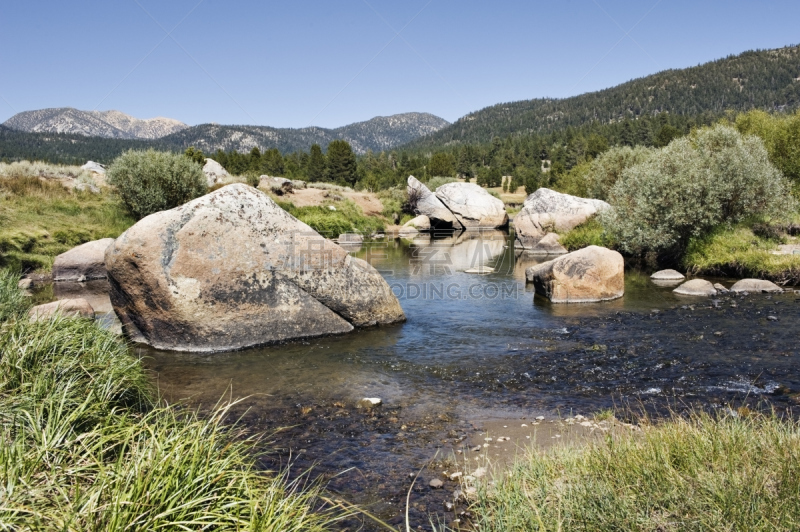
(588, 275)
(757, 286)
(214, 172)
(82, 263)
(426, 203)
(548, 245)
(696, 287)
(277, 185)
(232, 270)
(94, 167)
(547, 211)
(473, 206)
(65, 307)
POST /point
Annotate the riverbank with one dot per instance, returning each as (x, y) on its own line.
(736, 471)
(88, 446)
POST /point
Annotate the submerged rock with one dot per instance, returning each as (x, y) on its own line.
(473, 206)
(65, 307)
(546, 211)
(756, 285)
(426, 203)
(696, 287)
(82, 263)
(232, 270)
(588, 275)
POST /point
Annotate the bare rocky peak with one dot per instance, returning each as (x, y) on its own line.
(109, 124)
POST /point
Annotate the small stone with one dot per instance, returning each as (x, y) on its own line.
(668, 275)
(721, 288)
(448, 506)
(755, 285)
(436, 484)
(696, 287)
(369, 402)
(455, 475)
(476, 449)
(718, 333)
(772, 318)
(25, 284)
(539, 418)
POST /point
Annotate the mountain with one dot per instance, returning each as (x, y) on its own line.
(107, 124)
(378, 134)
(762, 79)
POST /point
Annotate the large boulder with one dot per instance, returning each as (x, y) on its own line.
(214, 172)
(94, 167)
(65, 307)
(585, 276)
(473, 206)
(425, 202)
(232, 270)
(546, 211)
(756, 286)
(82, 263)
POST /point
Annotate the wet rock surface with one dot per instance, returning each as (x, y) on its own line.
(546, 211)
(592, 274)
(82, 263)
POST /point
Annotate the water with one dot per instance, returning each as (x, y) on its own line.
(477, 347)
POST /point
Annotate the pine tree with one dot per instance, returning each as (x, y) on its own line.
(316, 164)
(341, 163)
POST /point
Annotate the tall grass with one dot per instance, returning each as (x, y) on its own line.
(345, 217)
(84, 445)
(40, 219)
(695, 473)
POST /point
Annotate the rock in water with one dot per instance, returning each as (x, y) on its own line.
(83, 263)
(755, 286)
(425, 202)
(696, 287)
(588, 275)
(473, 207)
(548, 245)
(546, 211)
(668, 275)
(420, 223)
(214, 172)
(232, 270)
(66, 307)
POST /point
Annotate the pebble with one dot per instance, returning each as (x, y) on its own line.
(772, 318)
(25, 284)
(476, 449)
(436, 484)
(539, 418)
(455, 475)
(448, 506)
(369, 402)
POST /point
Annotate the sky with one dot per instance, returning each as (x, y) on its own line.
(334, 62)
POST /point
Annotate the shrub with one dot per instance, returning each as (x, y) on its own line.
(781, 136)
(606, 170)
(696, 183)
(345, 217)
(589, 233)
(151, 181)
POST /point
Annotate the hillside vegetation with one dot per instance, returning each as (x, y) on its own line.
(763, 79)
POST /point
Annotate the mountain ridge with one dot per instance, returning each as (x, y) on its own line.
(107, 124)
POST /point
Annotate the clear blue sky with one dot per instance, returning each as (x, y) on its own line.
(334, 62)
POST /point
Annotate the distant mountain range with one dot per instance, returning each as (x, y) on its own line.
(378, 134)
(763, 79)
(107, 124)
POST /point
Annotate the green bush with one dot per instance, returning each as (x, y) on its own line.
(606, 170)
(781, 136)
(345, 217)
(151, 181)
(715, 176)
(589, 233)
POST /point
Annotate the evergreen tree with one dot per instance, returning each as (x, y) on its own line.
(316, 164)
(341, 163)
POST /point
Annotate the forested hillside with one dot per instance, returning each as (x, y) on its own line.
(764, 79)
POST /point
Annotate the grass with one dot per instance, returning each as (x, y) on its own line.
(687, 473)
(737, 251)
(346, 218)
(589, 233)
(84, 444)
(40, 219)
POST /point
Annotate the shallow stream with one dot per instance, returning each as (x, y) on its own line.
(481, 347)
